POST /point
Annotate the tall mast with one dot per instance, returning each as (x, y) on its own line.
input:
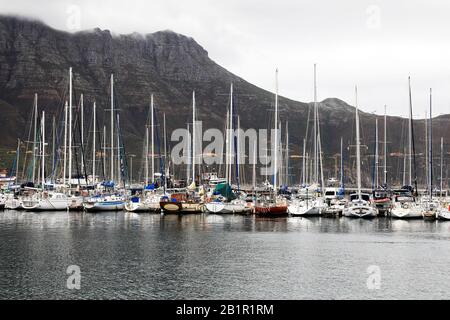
(426, 146)
(358, 152)
(231, 135)
(93, 143)
(385, 149)
(404, 166)
(376, 153)
(410, 132)
(227, 142)
(53, 145)
(316, 173)
(165, 153)
(193, 136)
(70, 126)
(287, 154)
(35, 137)
(65, 143)
(43, 149)
(342, 164)
(104, 151)
(119, 171)
(304, 163)
(82, 132)
(146, 154)
(430, 148)
(112, 127)
(188, 161)
(153, 139)
(254, 169)
(275, 167)
(442, 161)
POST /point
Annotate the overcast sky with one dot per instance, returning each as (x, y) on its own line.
(374, 44)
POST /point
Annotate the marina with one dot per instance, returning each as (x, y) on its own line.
(243, 153)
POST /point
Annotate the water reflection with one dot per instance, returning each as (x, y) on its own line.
(152, 256)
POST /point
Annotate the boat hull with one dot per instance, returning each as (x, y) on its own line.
(362, 212)
(104, 206)
(276, 210)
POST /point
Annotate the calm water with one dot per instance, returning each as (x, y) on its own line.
(125, 256)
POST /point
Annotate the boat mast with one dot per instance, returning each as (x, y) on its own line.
(254, 169)
(166, 171)
(53, 146)
(82, 132)
(231, 135)
(316, 173)
(385, 150)
(426, 146)
(65, 143)
(93, 146)
(43, 149)
(227, 142)
(275, 167)
(112, 128)
(430, 149)
(442, 161)
(358, 152)
(70, 126)
(152, 137)
(304, 163)
(410, 132)
(193, 137)
(34, 137)
(404, 166)
(376, 153)
(146, 154)
(287, 154)
(342, 164)
(188, 158)
(119, 171)
(104, 152)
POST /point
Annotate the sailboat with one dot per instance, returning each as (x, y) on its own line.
(226, 202)
(190, 201)
(43, 199)
(272, 205)
(429, 205)
(311, 201)
(405, 204)
(381, 197)
(359, 205)
(108, 200)
(149, 199)
(335, 196)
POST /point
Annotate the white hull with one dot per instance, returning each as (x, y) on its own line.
(45, 205)
(307, 208)
(360, 210)
(444, 214)
(142, 206)
(104, 204)
(409, 210)
(226, 208)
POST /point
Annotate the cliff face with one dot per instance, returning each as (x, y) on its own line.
(36, 58)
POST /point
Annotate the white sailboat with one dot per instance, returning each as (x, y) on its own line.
(44, 200)
(430, 205)
(107, 201)
(359, 205)
(311, 201)
(406, 206)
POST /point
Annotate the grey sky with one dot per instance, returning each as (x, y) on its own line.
(374, 44)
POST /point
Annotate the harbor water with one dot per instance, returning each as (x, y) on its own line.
(151, 256)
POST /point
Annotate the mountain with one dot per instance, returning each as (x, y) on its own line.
(35, 58)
